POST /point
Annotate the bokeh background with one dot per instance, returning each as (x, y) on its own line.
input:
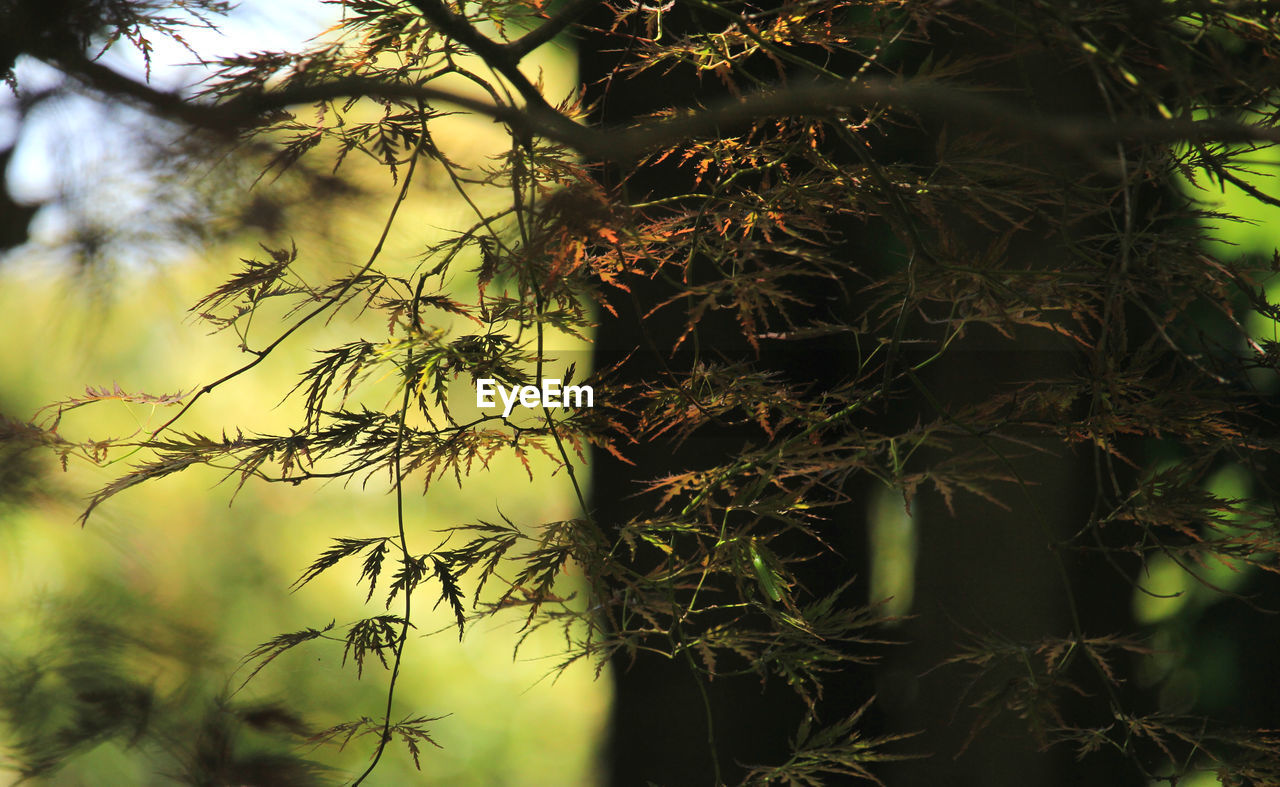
(142, 617)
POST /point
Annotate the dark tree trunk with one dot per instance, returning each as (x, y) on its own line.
(659, 730)
(1011, 574)
(982, 570)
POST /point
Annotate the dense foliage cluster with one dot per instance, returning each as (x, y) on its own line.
(1016, 168)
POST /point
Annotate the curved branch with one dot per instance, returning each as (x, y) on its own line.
(1081, 136)
(569, 13)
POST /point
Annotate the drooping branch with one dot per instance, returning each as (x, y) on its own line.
(246, 111)
(1074, 134)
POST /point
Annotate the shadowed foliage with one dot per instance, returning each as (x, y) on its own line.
(824, 249)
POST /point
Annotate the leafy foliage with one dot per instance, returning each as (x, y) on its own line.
(784, 172)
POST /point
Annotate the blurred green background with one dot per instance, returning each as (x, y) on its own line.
(127, 635)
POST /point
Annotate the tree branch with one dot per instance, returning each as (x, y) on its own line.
(1080, 136)
(245, 111)
(500, 57)
(569, 13)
